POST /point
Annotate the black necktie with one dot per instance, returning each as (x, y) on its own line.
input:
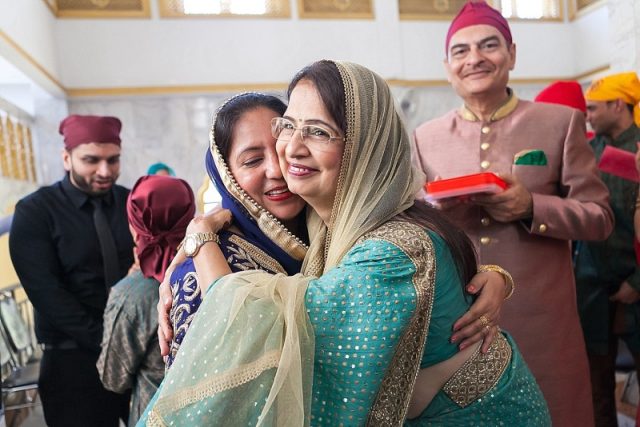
(107, 244)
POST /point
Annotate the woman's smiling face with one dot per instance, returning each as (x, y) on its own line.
(310, 172)
(253, 161)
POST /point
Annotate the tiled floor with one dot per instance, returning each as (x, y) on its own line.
(31, 417)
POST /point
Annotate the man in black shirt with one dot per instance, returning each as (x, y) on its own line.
(69, 243)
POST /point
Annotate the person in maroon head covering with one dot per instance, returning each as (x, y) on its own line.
(69, 243)
(159, 209)
(554, 195)
(91, 152)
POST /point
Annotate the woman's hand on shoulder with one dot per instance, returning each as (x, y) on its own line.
(480, 322)
(165, 301)
(165, 330)
(212, 221)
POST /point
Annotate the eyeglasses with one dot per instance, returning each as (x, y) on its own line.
(317, 136)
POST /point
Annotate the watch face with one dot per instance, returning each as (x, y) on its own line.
(190, 245)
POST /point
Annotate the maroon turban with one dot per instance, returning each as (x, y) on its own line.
(159, 209)
(78, 130)
(564, 93)
(478, 13)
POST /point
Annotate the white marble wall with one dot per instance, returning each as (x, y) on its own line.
(47, 142)
(175, 130)
(624, 27)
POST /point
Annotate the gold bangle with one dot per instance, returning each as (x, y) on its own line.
(507, 277)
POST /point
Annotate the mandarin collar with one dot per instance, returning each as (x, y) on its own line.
(79, 197)
(501, 112)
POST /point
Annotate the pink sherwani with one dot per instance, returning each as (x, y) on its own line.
(569, 202)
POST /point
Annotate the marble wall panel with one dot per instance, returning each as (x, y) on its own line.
(175, 130)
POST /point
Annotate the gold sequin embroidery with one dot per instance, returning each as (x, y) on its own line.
(392, 401)
(256, 255)
(480, 373)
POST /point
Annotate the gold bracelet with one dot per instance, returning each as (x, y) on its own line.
(507, 277)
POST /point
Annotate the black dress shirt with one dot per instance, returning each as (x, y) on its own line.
(55, 251)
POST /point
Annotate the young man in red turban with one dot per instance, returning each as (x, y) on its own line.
(159, 209)
(553, 195)
(69, 243)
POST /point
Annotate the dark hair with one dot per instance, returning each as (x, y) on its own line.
(231, 112)
(462, 249)
(630, 107)
(326, 78)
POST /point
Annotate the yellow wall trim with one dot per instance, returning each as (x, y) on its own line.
(51, 4)
(238, 87)
(167, 90)
(63, 11)
(30, 59)
(575, 14)
(590, 74)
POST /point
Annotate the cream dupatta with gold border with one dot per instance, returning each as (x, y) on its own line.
(249, 354)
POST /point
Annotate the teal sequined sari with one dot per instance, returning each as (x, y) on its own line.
(343, 343)
(359, 325)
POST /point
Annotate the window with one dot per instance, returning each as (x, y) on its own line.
(226, 8)
(530, 9)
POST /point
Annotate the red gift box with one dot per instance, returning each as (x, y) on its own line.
(621, 163)
(461, 186)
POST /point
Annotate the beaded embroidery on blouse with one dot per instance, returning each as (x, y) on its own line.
(249, 257)
(392, 401)
(480, 373)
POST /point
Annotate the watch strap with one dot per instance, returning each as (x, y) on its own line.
(200, 238)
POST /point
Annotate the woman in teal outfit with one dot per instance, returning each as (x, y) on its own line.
(362, 335)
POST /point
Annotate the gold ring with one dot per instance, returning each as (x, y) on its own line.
(484, 321)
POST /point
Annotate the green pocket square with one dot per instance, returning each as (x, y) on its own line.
(530, 157)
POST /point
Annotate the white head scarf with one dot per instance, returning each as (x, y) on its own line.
(377, 180)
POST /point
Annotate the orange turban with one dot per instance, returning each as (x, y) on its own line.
(623, 86)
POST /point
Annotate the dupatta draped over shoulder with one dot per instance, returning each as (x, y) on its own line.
(249, 354)
(264, 243)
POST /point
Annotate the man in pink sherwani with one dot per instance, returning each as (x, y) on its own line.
(554, 195)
